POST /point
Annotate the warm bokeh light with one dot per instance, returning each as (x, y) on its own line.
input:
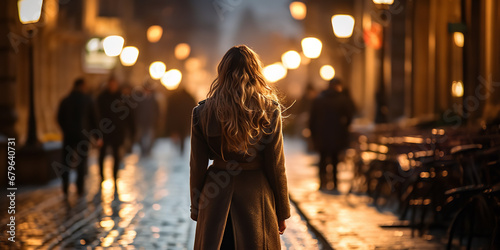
(129, 55)
(157, 69)
(93, 44)
(291, 59)
(311, 47)
(193, 64)
(113, 45)
(154, 33)
(388, 2)
(327, 72)
(298, 10)
(459, 39)
(171, 79)
(343, 25)
(274, 72)
(29, 10)
(182, 51)
(107, 184)
(457, 89)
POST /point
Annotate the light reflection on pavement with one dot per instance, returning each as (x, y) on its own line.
(150, 209)
(345, 221)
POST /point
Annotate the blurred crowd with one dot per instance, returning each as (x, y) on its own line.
(118, 117)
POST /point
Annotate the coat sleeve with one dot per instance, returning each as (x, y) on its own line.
(198, 163)
(274, 158)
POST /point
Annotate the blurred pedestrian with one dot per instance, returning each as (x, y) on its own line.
(129, 120)
(305, 104)
(76, 113)
(179, 107)
(331, 114)
(113, 111)
(241, 200)
(147, 120)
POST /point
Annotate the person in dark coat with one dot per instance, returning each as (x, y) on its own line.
(129, 120)
(76, 113)
(113, 111)
(331, 114)
(147, 114)
(241, 200)
(179, 106)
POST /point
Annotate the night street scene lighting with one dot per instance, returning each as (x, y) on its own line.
(231, 124)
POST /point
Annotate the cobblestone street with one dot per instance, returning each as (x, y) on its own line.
(151, 210)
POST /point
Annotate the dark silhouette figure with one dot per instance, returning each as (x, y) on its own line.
(179, 107)
(331, 115)
(114, 112)
(76, 113)
(305, 104)
(129, 119)
(147, 119)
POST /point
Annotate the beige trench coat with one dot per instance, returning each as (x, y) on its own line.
(251, 188)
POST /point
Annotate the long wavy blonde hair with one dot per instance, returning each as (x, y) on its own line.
(243, 102)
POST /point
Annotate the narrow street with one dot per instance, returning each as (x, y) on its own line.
(399, 99)
(151, 210)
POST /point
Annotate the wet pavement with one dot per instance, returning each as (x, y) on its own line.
(151, 210)
(344, 221)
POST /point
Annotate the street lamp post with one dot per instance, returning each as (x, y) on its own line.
(381, 115)
(343, 27)
(29, 13)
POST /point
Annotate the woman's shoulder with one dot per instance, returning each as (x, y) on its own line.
(200, 106)
(202, 102)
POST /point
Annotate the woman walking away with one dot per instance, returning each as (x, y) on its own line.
(241, 200)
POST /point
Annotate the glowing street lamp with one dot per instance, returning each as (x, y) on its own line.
(457, 89)
(459, 39)
(30, 11)
(93, 44)
(274, 72)
(113, 45)
(182, 51)
(291, 59)
(381, 100)
(157, 70)
(327, 72)
(387, 2)
(154, 33)
(343, 25)
(129, 55)
(298, 10)
(311, 47)
(171, 79)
